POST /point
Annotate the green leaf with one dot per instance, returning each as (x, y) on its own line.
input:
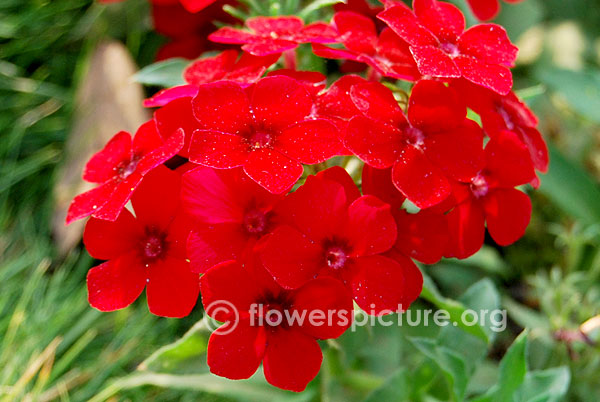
(513, 368)
(449, 362)
(545, 386)
(483, 297)
(316, 5)
(570, 188)
(581, 89)
(455, 309)
(186, 355)
(395, 388)
(168, 73)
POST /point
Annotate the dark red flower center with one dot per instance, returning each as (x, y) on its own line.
(479, 186)
(255, 222)
(450, 49)
(274, 309)
(336, 256)
(260, 139)
(153, 245)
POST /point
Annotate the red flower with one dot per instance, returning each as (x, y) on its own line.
(263, 128)
(119, 168)
(226, 66)
(487, 9)
(288, 349)
(388, 54)
(490, 197)
(436, 142)
(313, 81)
(506, 112)
(147, 251)
(482, 54)
(230, 214)
(270, 35)
(329, 230)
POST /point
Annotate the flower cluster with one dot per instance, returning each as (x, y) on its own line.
(246, 188)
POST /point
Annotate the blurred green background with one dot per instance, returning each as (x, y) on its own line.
(53, 346)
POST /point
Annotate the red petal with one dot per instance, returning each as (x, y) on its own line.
(371, 226)
(401, 19)
(232, 35)
(279, 102)
(290, 257)
(318, 32)
(444, 20)
(237, 354)
(467, 229)
(538, 150)
(105, 240)
(267, 47)
(89, 202)
(273, 171)
(507, 160)
(284, 347)
(340, 175)
(413, 278)
(422, 236)
(334, 53)
(432, 61)
(210, 69)
(212, 245)
(484, 9)
(488, 43)
(218, 150)
(165, 96)
(507, 213)
(495, 77)
(101, 167)
(378, 283)
(325, 295)
(151, 208)
(156, 151)
(277, 25)
(336, 100)
(418, 179)
(377, 144)
(117, 200)
(227, 291)
(116, 283)
(458, 152)
(435, 107)
(378, 182)
(311, 141)
(357, 32)
(222, 106)
(377, 102)
(147, 139)
(318, 208)
(394, 58)
(193, 6)
(172, 288)
(177, 114)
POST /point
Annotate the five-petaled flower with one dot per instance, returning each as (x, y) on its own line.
(437, 141)
(145, 251)
(273, 325)
(271, 35)
(266, 128)
(230, 213)
(328, 229)
(119, 168)
(442, 48)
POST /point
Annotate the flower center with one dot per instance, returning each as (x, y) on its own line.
(255, 222)
(479, 186)
(336, 257)
(260, 139)
(414, 136)
(126, 168)
(154, 244)
(450, 49)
